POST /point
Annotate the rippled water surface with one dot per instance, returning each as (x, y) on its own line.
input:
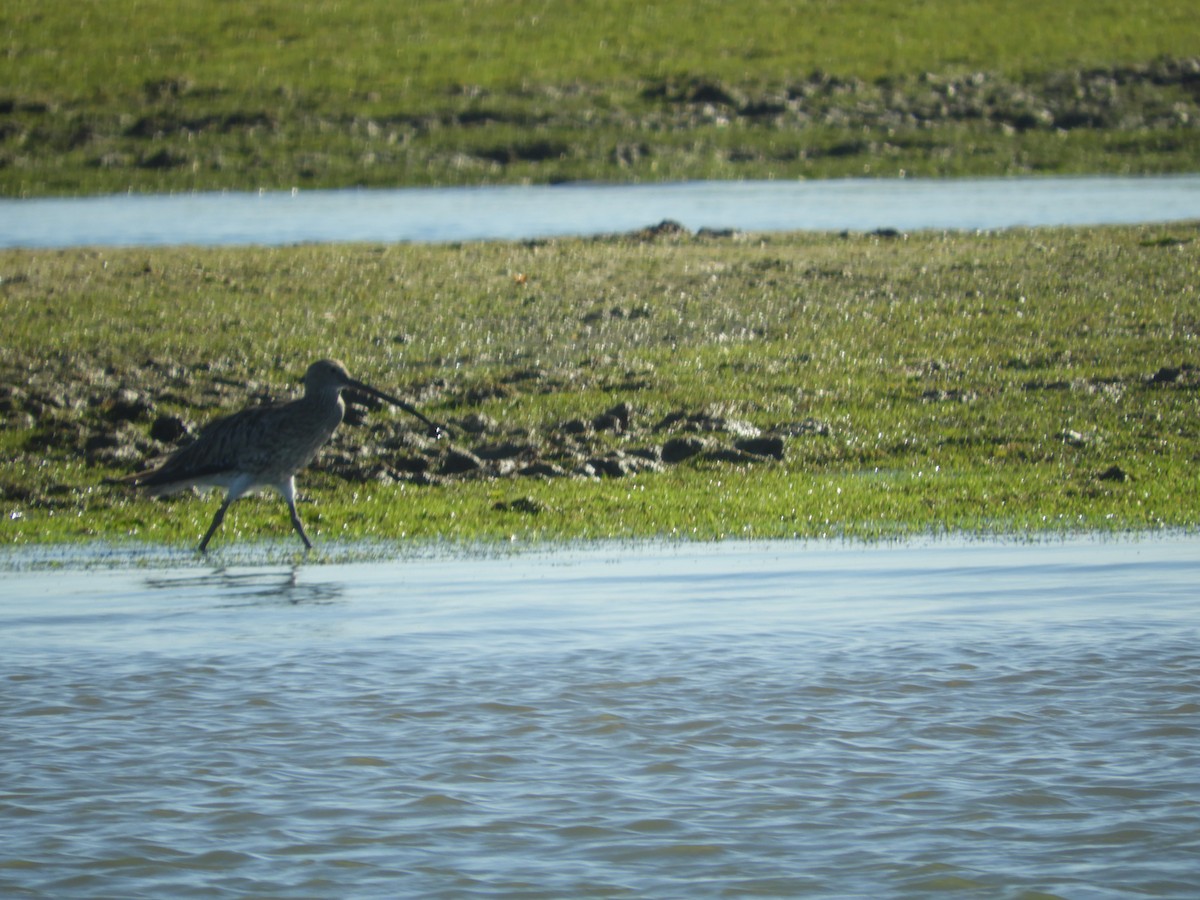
(977, 720)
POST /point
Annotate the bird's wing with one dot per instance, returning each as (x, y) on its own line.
(224, 445)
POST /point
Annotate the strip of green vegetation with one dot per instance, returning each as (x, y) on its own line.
(123, 95)
(1025, 381)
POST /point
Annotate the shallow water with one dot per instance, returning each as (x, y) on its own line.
(979, 720)
(522, 212)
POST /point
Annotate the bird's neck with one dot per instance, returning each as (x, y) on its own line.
(328, 403)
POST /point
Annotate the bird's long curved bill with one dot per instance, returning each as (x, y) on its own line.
(434, 428)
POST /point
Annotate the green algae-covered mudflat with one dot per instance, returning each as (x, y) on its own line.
(653, 384)
(201, 95)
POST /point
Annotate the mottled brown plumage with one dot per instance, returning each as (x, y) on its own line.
(264, 446)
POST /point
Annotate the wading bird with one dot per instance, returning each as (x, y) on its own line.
(264, 446)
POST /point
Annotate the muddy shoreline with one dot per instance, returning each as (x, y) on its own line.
(113, 421)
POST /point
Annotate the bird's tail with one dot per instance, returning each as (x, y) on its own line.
(133, 479)
(149, 480)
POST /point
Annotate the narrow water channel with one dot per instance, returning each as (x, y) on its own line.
(519, 213)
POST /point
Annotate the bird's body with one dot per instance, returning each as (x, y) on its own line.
(263, 446)
(267, 444)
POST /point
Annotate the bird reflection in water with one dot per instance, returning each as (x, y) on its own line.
(252, 588)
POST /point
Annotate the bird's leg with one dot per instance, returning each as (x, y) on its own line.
(239, 486)
(288, 490)
(299, 526)
(216, 522)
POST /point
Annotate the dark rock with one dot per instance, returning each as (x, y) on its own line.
(846, 148)
(414, 465)
(18, 492)
(45, 400)
(607, 422)
(1114, 473)
(355, 415)
(610, 466)
(1039, 385)
(425, 479)
(525, 505)
(54, 435)
(163, 159)
(665, 228)
(574, 426)
(384, 474)
(477, 423)
(762, 446)
(458, 462)
(506, 450)
(152, 126)
(111, 448)
(623, 413)
(541, 470)
(1166, 375)
(708, 92)
(526, 151)
(757, 109)
(730, 455)
(168, 429)
(128, 406)
(244, 121)
(11, 398)
(670, 420)
(678, 449)
(696, 90)
(102, 441)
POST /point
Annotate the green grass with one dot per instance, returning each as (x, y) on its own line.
(374, 51)
(981, 383)
(116, 95)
